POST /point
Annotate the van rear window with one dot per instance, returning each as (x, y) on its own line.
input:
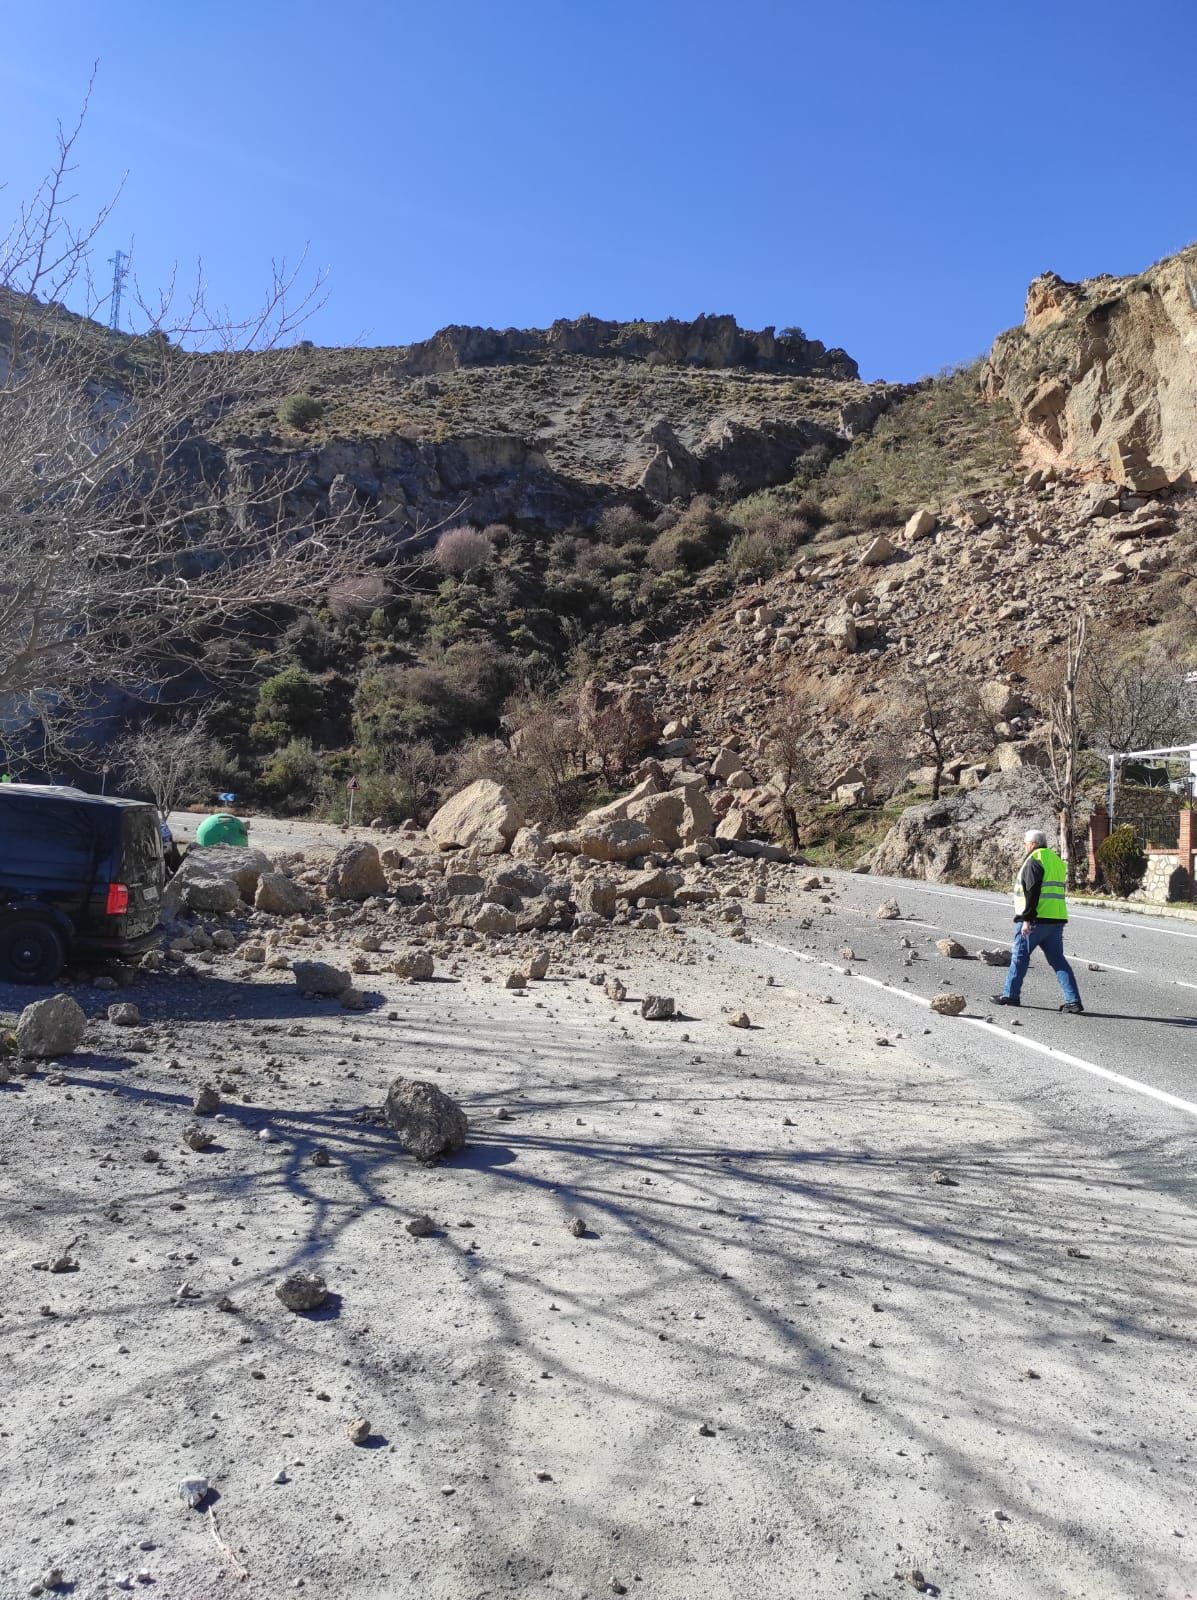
(44, 836)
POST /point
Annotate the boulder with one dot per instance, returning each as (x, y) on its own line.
(52, 1027)
(280, 896)
(888, 911)
(494, 920)
(320, 977)
(698, 817)
(662, 815)
(878, 553)
(654, 884)
(921, 525)
(124, 1014)
(530, 845)
(356, 873)
(734, 825)
(658, 1008)
(948, 1005)
(212, 864)
(841, 630)
(427, 1122)
(952, 949)
(726, 764)
(413, 966)
(614, 841)
(302, 1291)
(482, 817)
(597, 895)
(209, 893)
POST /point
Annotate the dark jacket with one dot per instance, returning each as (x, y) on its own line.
(1031, 880)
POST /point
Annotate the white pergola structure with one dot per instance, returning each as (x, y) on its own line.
(1172, 752)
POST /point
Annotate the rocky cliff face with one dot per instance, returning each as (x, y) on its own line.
(708, 341)
(1103, 374)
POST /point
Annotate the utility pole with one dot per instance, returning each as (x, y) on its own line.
(120, 266)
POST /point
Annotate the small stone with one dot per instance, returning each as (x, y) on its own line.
(193, 1491)
(948, 1005)
(658, 1008)
(515, 980)
(265, 1137)
(358, 1430)
(502, 1114)
(281, 1477)
(944, 1181)
(207, 1101)
(448, 1488)
(420, 1227)
(198, 1138)
(124, 1014)
(952, 949)
(321, 1157)
(577, 1227)
(706, 1430)
(615, 990)
(739, 1019)
(888, 911)
(544, 1477)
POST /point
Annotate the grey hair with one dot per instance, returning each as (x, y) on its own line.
(1036, 838)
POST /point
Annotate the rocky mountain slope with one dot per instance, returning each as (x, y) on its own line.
(547, 426)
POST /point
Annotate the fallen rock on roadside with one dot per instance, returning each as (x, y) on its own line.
(48, 1028)
(426, 1121)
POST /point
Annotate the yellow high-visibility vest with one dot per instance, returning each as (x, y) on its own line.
(1053, 907)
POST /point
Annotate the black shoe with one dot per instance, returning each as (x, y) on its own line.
(1074, 1006)
(1004, 1000)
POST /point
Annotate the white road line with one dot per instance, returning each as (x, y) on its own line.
(1180, 982)
(1130, 925)
(1053, 1054)
(967, 933)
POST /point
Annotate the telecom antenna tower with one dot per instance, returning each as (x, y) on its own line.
(120, 266)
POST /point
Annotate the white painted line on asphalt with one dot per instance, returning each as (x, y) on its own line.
(1182, 984)
(1128, 925)
(1053, 1054)
(967, 933)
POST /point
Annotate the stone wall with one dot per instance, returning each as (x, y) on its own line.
(1164, 880)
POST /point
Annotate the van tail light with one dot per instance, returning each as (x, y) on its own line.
(118, 900)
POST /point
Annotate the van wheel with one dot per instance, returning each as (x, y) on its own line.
(31, 951)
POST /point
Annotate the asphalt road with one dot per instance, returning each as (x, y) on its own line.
(1125, 1071)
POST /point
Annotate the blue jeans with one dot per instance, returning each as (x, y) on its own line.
(1048, 937)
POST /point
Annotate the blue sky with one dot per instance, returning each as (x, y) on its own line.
(886, 175)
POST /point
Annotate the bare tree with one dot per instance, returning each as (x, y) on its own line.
(1064, 728)
(1137, 701)
(794, 753)
(169, 759)
(937, 719)
(128, 537)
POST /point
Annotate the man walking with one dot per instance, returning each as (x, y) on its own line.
(1040, 913)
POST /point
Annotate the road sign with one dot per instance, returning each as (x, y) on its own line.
(352, 785)
(227, 799)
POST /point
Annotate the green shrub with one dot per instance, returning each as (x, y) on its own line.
(290, 780)
(300, 411)
(1122, 860)
(287, 703)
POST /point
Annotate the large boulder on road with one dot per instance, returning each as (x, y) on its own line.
(52, 1027)
(482, 817)
(356, 873)
(201, 883)
(426, 1121)
(280, 896)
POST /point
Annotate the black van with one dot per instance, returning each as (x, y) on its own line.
(80, 874)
